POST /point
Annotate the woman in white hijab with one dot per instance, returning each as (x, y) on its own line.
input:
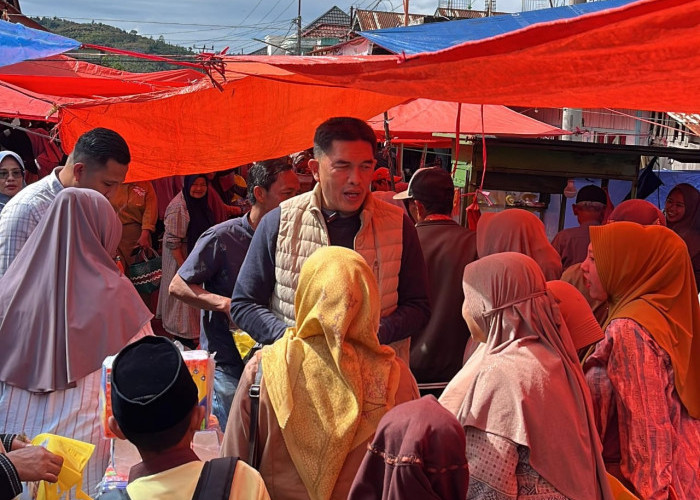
(522, 398)
(64, 307)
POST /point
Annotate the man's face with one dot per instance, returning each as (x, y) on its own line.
(380, 184)
(344, 173)
(104, 180)
(285, 187)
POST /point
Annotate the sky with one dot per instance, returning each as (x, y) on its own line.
(221, 23)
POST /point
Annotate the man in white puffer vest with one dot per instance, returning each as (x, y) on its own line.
(340, 210)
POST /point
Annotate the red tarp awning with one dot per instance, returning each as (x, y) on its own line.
(20, 103)
(417, 120)
(68, 77)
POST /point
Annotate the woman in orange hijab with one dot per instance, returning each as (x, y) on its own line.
(645, 375)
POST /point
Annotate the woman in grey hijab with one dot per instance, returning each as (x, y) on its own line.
(64, 307)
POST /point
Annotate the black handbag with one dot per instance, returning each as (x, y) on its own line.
(146, 274)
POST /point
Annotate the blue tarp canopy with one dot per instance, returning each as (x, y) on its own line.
(436, 36)
(19, 43)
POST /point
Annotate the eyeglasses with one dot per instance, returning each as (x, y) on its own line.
(4, 174)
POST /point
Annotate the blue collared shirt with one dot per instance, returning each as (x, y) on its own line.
(214, 263)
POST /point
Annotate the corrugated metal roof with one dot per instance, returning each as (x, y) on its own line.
(692, 121)
(376, 20)
(327, 31)
(463, 13)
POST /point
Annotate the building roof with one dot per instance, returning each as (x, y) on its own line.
(692, 121)
(366, 20)
(333, 17)
(262, 51)
(327, 31)
(463, 13)
(10, 11)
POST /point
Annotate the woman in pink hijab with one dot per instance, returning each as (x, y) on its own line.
(517, 230)
(522, 397)
(64, 307)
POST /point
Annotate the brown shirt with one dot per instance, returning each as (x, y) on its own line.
(437, 350)
(276, 466)
(572, 244)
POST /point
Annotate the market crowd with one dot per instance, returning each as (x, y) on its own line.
(562, 370)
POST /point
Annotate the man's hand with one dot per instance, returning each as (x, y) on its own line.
(144, 240)
(35, 463)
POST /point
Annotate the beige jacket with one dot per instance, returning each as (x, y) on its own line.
(303, 230)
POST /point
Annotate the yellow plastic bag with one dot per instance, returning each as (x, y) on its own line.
(244, 342)
(75, 457)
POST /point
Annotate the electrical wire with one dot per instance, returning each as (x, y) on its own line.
(139, 21)
(253, 10)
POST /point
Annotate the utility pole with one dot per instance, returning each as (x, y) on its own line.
(299, 29)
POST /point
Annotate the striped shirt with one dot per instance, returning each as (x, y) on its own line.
(73, 413)
(22, 214)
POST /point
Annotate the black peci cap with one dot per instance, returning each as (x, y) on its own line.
(152, 389)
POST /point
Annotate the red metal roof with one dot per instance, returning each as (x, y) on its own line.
(10, 12)
(376, 20)
(327, 31)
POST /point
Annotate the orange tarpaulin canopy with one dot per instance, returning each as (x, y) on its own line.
(417, 120)
(203, 129)
(640, 56)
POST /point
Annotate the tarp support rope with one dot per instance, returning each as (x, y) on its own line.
(457, 137)
(208, 62)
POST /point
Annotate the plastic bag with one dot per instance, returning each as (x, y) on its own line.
(75, 457)
(244, 342)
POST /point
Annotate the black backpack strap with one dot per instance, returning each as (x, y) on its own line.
(114, 495)
(254, 394)
(216, 479)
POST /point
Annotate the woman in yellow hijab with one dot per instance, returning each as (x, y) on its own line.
(325, 385)
(644, 375)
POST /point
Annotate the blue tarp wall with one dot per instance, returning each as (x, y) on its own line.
(19, 43)
(436, 36)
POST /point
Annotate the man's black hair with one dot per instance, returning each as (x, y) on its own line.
(99, 145)
(265, 174)
(160, 440)
(342, 128)
(442, 207)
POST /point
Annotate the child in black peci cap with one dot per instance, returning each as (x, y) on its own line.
(154, 403)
